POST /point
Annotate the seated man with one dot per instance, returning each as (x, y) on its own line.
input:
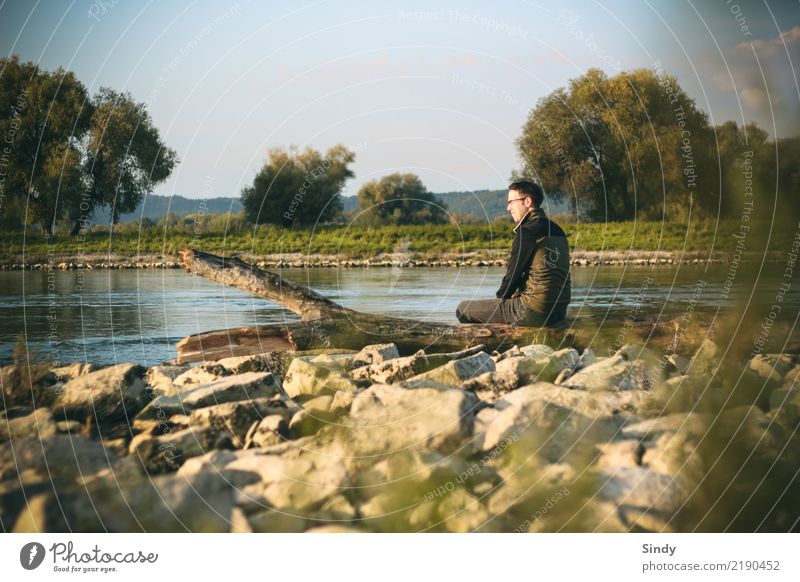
(536, 288)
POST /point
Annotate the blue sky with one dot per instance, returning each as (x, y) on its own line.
(440, 89)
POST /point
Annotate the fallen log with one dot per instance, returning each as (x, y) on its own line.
(326, 324)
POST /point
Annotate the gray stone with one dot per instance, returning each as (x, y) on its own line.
(614, 373)
(167, 452)
(394, 370)
(547, 420)
(537, 351)
(248, 386)
(161, 379)
(455, 372)
(111, 393)
(375, 354)
(37, 425)
(236, 418)
(387, 418)
(270, 430)
(306, 379)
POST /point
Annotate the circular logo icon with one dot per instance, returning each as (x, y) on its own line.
(31, 555)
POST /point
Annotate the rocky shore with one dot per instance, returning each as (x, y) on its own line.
(299, 260)
(528, 439)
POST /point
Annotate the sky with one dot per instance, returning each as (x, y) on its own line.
(441, 89)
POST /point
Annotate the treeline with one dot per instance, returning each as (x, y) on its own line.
(636, 146)
(632, 146)
(66, 153)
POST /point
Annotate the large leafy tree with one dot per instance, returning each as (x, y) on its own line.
(298, 187)
(66, 154)
(125, 155)
(620, 147)
(399, 199)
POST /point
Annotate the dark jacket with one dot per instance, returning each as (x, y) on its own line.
(538, 269)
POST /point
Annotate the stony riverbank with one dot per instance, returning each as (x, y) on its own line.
(297, 260)
(530, 439)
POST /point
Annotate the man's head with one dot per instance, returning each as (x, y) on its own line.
(522, 196)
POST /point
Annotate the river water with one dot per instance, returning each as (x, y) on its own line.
(118, 316)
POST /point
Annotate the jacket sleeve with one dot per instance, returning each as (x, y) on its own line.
(521, 255)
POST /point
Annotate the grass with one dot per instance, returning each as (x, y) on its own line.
(363, 242)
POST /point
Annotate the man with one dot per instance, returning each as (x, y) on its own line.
(536, 288)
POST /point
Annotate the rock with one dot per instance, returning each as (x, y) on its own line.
(167, 452)
(394, 370)
(248, 386)
(772, 368)
(239, 523)
(236, 418)
(462, 512)
(512, 352)
(375, 354)
(270, 430)
(693, 422)
(341, 403)
(550, 421)
(274, 521)
(41, 514)
(455, 372)
(109, 394)
(305, 423)
(304, 379)
(705, 360)
(297, 483)
(342, 363)
(615, 373)
(586, 359)
(161, 379)
(387, 418)
(318, 405)
(197, 375)
(66, 373)
(537, 351)
(491, 386)
(524, 491)
(337, 508)
(37, 425)
(658, 495)
(255, 363)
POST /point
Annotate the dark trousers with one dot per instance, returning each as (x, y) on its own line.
(504, 311)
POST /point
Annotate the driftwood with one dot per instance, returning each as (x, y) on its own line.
(326, 324)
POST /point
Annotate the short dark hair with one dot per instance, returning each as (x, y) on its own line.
(529, 189)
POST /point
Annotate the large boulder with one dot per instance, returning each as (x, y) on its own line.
(109, 394)
(37, 425)
(388, 418)
(549, 421)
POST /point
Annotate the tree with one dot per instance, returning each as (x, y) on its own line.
(298, 187)
(126, 158)
(619, 147)
(399, 199)
(64, 154)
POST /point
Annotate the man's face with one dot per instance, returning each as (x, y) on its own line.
(518, 204)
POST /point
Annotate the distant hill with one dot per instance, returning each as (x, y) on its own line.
(483, 204)
(154, 207)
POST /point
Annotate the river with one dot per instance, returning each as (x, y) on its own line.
(114, 316)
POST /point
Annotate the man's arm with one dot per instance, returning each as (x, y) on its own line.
(521, 255)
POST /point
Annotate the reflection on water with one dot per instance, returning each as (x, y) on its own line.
(138, 316)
